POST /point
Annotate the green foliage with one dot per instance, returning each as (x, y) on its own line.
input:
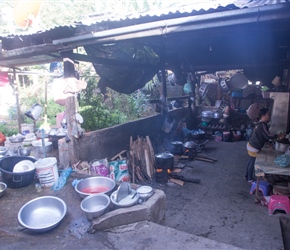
(8, 130)
(117, 108)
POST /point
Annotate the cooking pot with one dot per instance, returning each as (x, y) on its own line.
(177, 148)
(281, 147)
(164, 160)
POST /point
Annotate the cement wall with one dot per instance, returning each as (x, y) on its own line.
(111, 141)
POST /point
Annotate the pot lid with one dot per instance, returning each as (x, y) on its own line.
(189, 144)
(238, 81)
(165, 155)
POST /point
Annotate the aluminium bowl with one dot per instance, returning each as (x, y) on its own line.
(128, 201)
(94, 185)
(42, 214)
(3, 151)
(95, 205)
(3, 188)
(15, 139)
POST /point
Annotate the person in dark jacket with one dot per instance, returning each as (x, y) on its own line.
(259, 137)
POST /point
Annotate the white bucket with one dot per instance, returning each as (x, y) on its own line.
(47, 171)
(27, 128)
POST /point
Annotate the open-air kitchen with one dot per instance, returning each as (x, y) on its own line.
(174, 179)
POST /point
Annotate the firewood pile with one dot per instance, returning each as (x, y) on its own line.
(141, 160)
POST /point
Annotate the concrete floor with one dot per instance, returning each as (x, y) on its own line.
(218, 213)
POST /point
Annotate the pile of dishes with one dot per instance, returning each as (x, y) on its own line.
(23, 166)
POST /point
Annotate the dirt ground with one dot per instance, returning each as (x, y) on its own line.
(217, 213)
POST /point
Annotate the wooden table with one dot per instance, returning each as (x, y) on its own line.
(265, 165)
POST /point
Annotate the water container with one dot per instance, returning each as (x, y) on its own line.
(47, 171)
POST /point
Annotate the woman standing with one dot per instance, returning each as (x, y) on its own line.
(259, 137)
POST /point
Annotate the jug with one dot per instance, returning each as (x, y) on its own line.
(34, 112)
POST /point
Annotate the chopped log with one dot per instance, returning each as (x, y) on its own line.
(179, 182)
(177, 170)
(141, 160)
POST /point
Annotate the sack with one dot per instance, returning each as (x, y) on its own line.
(100, 167)
(119, 171)
(283, 160)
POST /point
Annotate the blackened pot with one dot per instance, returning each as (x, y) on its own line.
(16, 180)
(164, 160)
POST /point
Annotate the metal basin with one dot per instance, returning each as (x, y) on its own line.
(95, 185)
(42, 214)
(3, 188)
(95, 205)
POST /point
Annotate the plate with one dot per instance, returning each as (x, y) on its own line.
(23, 166)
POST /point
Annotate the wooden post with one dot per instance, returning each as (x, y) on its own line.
(70, 105)
(16, 91)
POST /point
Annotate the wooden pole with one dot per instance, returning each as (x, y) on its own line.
(16, 91)
(70, 105)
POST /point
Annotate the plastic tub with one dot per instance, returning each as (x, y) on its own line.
(13, 179)
(47, 171)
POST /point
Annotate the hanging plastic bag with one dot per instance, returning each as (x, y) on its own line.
(283, 160)
(62, 179)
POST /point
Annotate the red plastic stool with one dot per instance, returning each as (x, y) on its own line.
(278, 202)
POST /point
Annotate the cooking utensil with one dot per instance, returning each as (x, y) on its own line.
(238, 81)
(42, 214)
(24, 151)
(15, 139)
(177, 148)
(3, 188)
(95, 205)
(145, 192)
(3, 151)
(128, 201)
(164, 160)
(94, 185)
(281, 147)
(47, 148)
(123, 191)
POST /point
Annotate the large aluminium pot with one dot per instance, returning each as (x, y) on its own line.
(281, 147)
(16, 179)
(164, 160)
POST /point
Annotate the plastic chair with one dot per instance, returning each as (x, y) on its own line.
(264, 187)
(278, 202)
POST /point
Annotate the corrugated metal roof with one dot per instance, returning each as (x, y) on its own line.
(182, 8)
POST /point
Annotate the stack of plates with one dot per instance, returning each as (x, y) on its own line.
(23, 166)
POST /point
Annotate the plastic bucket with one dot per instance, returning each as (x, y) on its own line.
(47, 171)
